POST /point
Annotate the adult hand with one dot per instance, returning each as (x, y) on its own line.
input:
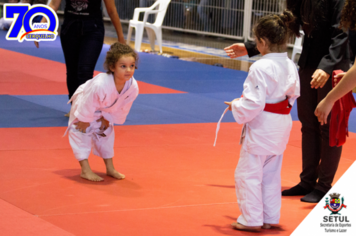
(37, 44)
(82, 126)
(104, 123)
(323, 109)
(319, 79)
(236, 50)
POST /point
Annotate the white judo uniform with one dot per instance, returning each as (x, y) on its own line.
(265, 135)
(98, 98)
(5, 24)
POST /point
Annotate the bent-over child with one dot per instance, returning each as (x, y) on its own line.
(97, 105)
(270, 89)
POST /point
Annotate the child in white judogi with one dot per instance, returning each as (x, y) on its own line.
(270, 90)
(97, 105)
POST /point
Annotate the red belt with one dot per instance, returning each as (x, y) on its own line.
(282, 107)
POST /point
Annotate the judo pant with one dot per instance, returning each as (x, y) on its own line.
(83, 143)
(258, 188)
(320, 161)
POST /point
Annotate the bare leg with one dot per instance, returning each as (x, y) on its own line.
(110, 169)
(239, 226)
(87, 173)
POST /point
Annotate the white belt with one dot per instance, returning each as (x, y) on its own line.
(218, 126)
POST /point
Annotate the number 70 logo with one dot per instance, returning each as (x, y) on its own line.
(23, 26)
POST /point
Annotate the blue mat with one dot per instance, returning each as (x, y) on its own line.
(167, 72)
(16, 112)
(49, 110)
(207, 86)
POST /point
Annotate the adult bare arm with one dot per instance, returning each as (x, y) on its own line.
(114, 16)
(54, 4)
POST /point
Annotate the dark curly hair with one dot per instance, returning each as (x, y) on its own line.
(277, 29)
(348, 15)
(116, 51)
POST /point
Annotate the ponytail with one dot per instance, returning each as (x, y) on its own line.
(277, 29)
(290, 21)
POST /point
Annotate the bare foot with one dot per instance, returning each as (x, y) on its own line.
(266, 226)
(239, 226)
(110, 169)
(91, 176)
(87, 173)
(115, 174)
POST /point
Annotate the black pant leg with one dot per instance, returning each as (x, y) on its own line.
(82, 41)
(311, 145)
(330, 156)
(70, 40)
(320, 161)
(90, 47)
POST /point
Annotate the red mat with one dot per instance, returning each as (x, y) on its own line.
(38, 76)
(177, 182)
(15, 221)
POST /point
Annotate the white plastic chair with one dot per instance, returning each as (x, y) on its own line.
(298, 45)
(154, 29)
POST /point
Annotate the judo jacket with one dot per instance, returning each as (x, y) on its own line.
(98, 98)
(271, 79)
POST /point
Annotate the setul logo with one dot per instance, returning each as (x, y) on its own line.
(23, 27)
(335, 222)
(335, 205)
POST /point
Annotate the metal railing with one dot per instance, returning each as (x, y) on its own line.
(222, 18)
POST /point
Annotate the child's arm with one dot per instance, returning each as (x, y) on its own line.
(253, 101)
(89, 102)
(346, 84)
(120, 116)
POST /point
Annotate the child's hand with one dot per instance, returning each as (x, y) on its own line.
(104, 123)
(340, 75)
(323, 110)
(81, 126)
(230, 103)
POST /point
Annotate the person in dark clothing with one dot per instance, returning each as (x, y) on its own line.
(348, 81)
(82, 37)
(325, 48)
(352, 38)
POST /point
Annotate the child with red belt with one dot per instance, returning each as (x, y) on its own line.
(270, 90)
